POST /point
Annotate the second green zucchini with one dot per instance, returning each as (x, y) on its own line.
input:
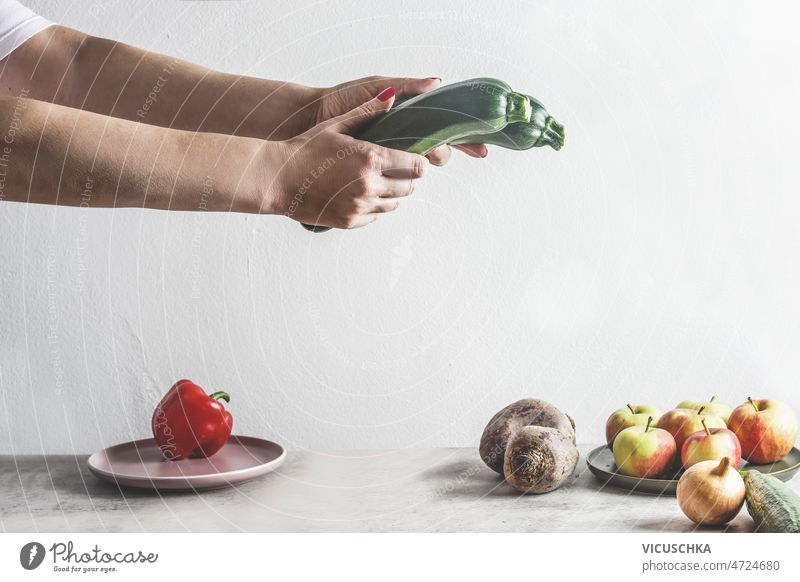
(473, 107)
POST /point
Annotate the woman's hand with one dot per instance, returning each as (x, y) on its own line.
(335, 101)
(328, 178)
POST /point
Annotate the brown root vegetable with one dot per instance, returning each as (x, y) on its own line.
(539, 459)
(526, 412)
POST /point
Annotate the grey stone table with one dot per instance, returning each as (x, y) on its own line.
(416, 490)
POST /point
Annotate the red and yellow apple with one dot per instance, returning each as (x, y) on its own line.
(711, 444)
(629, 416)
(766, 429)
(681, 422)
(711, 407)
(643, 451)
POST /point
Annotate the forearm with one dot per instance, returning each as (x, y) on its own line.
(52, 154)
(70, 68)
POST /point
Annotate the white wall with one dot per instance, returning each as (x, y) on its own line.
(654, 258)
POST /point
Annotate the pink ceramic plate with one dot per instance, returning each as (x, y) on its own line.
(140, 464)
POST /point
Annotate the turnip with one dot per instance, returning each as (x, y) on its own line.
(539, 459)
(526, 412)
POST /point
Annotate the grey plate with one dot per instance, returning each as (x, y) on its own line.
(140, 464)
(601, 463)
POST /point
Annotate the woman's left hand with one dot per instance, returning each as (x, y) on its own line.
(338, 100)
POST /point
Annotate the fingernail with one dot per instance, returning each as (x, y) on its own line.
(386, 94)
(435, 78)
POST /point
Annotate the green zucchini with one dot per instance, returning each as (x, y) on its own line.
(541, 130)
(427, 121)
(772, 504)
(481, 110)
(315, 227)
(423, 123)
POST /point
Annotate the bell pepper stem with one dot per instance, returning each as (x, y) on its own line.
(220, 396)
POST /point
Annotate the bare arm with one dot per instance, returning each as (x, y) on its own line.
(140, 129)
(65, 66)
(70, 68)
(53, 154)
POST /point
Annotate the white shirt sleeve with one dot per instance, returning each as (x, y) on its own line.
(17, 24)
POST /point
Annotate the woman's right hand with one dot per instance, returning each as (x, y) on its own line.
(329, 178)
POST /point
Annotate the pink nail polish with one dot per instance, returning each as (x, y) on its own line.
(386, 94)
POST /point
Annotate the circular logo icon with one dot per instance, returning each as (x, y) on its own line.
(31, 555)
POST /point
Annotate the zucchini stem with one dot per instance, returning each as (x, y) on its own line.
(552, 135)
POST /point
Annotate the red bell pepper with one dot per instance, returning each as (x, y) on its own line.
(190, 423)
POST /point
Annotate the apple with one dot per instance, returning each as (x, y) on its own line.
(644, 451)
(681, 422)
(712, 407)
(711, 444)
(629, 416)
(767, 430)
